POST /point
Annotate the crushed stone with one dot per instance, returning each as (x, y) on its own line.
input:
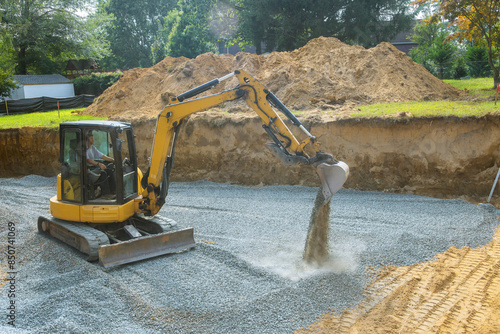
(246, 274)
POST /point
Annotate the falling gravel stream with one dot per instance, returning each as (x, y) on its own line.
(316, 247)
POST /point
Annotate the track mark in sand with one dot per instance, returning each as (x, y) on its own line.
(457, 292)
(201, 208)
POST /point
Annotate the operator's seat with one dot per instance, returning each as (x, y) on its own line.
(96, 179)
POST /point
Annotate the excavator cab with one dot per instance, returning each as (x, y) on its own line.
(82, 183)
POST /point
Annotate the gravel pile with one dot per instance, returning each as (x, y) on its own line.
(245, 275)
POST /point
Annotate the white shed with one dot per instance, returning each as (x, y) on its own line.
(50, 85)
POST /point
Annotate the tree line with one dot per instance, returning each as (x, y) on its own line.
(39, 36)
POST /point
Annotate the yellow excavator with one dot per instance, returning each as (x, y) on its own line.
(105, 206)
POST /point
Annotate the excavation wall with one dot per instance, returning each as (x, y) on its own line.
(442, 157)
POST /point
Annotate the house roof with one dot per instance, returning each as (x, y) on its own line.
(41, 79)
(404, 37)
(81, 64)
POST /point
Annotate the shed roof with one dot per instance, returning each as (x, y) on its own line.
(41, 79)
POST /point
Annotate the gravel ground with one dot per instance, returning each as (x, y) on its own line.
(246, 273)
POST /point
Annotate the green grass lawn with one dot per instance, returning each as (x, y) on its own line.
(429, 108)
(43, 119)
(481, 86)
(475, 86)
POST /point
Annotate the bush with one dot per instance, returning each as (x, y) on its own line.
(7, 83)
(96, 83)
(477, 57)
(459, 68)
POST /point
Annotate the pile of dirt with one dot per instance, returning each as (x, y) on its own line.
(324, 74)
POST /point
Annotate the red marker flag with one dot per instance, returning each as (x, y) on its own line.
(58, 101)
(498, 89)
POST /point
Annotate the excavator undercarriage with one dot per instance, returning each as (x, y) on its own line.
(114, 244)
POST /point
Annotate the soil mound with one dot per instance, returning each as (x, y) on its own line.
(322, 74)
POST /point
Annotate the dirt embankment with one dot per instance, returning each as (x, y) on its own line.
(441, 157)
(437, 157)
(28, 151)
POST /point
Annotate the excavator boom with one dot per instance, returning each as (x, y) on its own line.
(285, 145)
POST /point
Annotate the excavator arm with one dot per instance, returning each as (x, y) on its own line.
(285, 145)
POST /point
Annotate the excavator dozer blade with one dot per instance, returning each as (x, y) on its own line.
(333, 177)
(145, 247)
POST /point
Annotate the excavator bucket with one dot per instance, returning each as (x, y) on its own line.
(332, 173)
(146, 247)
(333, 177)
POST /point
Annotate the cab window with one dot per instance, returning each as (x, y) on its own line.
(101, 182)
(124, 145)
(71, 166)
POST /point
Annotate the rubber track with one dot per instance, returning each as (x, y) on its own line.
(92, 237)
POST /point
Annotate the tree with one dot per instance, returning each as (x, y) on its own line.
(476, 20)
(477, 56)
(223, 21)
(7, 83)
(186, 30)
(134, 30)
(285, 25)
(433, 49)
(289, 24)
(368, 22)
(46, 33)
(7, 62)
(95, 42)
(254, 23)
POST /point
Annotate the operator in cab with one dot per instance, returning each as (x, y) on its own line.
(106, 175)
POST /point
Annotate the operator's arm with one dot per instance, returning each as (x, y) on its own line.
(106, 158)
(92, 153)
